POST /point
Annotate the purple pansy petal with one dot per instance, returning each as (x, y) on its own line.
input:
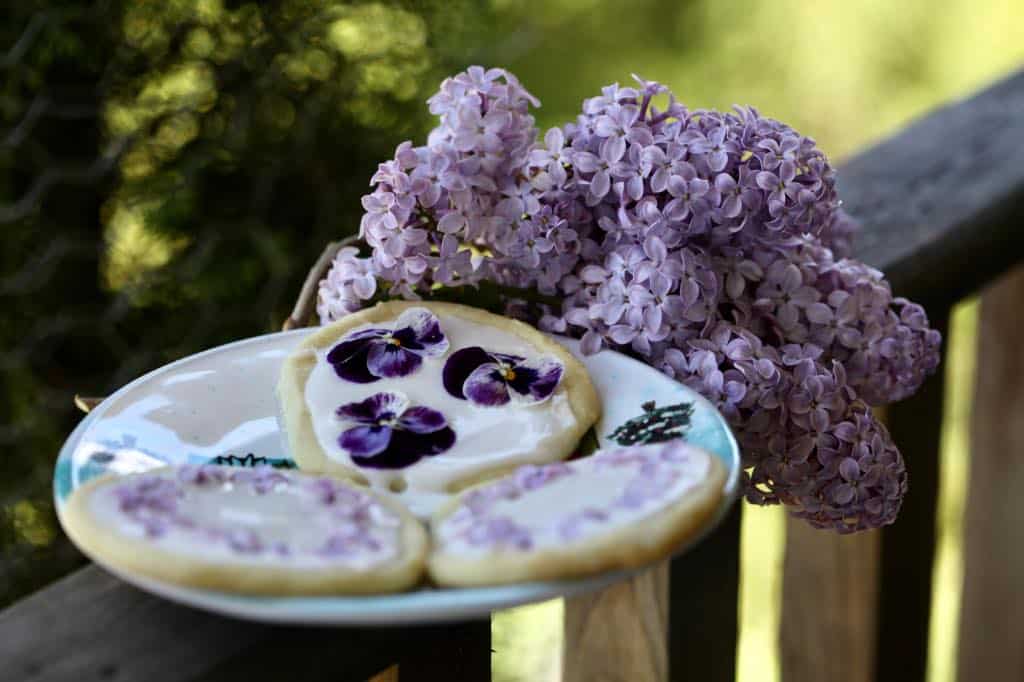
(460, 365)
(407, 448)
(353, 344)
(390, 434)
(389, 361)
(425, 330)
(536, 380)
(486, 378)
(379, 406)
(354, 368)
(426, 444)
(405, 338)
(349, 357)
(422, 420)
(507, 359)
(370, 354)
(486, 387)
(365, 441)
(394, 457)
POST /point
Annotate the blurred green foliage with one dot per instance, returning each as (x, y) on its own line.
(169, 170)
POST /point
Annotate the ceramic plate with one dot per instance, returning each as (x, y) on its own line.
(219, 406)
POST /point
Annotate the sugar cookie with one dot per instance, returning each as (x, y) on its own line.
(619, 508)
(259, 530)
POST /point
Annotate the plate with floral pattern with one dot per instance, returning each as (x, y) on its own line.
(219, 406)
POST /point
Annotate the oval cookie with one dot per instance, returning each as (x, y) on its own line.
(259, 530)
(617, 509)
(427, 398)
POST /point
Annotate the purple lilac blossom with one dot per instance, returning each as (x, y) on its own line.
(492, 379)
(388, 433)
(368, 355)
(709, 244)
(349, 284)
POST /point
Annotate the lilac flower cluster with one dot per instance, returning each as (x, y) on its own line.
(808, 440)
(709, 244)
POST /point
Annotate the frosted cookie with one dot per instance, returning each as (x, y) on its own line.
(616, 509)
(424, 399)
(248, 530)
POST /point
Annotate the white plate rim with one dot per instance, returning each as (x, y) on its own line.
(396, 609)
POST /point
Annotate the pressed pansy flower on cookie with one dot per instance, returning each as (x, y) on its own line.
(368, 355)
(492, 379)
(388, 433)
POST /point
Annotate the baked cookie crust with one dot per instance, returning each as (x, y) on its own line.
(107, 546)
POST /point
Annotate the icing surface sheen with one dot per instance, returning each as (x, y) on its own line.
(251, 516)
(486, 437)
(537, 507)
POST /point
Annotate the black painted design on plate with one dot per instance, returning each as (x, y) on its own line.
(251, 460)
(655, 425)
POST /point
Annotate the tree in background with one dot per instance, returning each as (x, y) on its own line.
(169, 171)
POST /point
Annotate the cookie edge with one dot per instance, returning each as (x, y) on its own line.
(107, 547)
(640, 543)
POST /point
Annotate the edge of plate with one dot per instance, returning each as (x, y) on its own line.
(469, 603)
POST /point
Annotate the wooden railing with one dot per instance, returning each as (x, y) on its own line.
(942, 204)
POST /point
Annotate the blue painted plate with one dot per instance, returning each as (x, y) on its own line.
(219, 406)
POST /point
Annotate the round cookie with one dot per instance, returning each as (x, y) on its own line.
(617, 509)
(259, 531)
(426, 398)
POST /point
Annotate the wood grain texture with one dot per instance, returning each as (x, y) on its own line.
(618, 634)
(704, 606)
(830, 585)
(908, 546)
(944, 197)
(991, 626)
(91, 626)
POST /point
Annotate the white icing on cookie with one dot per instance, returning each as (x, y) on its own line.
(250, 517)
(540, 507)
(486, 437)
